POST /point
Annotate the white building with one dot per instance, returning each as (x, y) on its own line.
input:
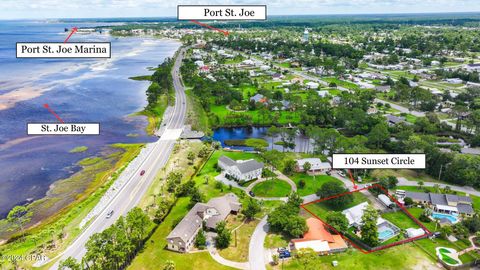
(316, 165)
(454, 80)
(241, 170)
(385, 200)
(323, 93)
(312, 85)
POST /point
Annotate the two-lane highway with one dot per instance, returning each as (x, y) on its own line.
(133, 190)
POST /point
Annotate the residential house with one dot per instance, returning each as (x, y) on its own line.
(281, 105)
(443, 203)
(354, 216)
(323, 93)
(472, 67)
(372, 110)
(259, 98)
(316, 165)
(454, 80)
(319, 239)
(182, 237)
(393, 119)
(382, 88)
(241, 170)
(312, 85)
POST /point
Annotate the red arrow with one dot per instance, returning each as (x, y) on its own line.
(51, 111)
(225, 32)
(74, 29)
(353, 181)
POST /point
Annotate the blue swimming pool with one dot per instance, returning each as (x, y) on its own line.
(452, 218)
(385, 234)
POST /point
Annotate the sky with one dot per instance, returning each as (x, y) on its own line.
(20, 9)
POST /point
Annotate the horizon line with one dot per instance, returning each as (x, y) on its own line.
(272, 15)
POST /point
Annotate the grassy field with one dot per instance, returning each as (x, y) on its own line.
(155, 114)
(284, 117)
(196, 115)
(274, 240)
(155, 254)
(238, 249)
(400, 257)
(177, 162)
(341, 83)
(79, 149)
(312, 183)
(429, 245)
(321, 209)
(401, 220)
(272, 188)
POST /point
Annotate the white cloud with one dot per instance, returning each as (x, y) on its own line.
(139, 8)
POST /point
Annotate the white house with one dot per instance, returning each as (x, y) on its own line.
(316, 165)
(323, 93)
(241, 170)
(312, 85)
(454, 80)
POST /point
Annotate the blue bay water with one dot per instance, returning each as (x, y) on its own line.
(79, 90)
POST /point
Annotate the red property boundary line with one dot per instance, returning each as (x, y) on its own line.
(427, 232)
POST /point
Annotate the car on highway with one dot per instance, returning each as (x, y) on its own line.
(110, 214)
(251, 193)
(142, 172)
(342, 174)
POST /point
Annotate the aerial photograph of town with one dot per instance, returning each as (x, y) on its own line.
(253, 135)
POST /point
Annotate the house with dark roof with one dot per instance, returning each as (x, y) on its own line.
(393, 119)
(443, 203)
(182, 237)
(241, 170)
(259, 98)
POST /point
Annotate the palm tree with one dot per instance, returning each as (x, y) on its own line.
(437, 222)
(420, 184)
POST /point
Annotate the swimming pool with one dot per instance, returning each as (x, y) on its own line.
(452, 218)
(385, 233)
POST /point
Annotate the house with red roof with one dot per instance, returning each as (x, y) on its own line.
(320, 239)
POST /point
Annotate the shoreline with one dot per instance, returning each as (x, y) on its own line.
(65, 194)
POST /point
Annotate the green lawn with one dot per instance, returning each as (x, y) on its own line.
(272, 188)
(341, 83)
(79, 149)
(284, 117)
(274, 240)
(239, 246)
(400, 219)
(400, 257)
(312, 183)
(155, 254)
(321, 209)
(429, 246)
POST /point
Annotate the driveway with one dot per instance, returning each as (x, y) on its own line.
(256, 252)
(214, 253)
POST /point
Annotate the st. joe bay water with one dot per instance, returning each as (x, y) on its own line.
(79, 91)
